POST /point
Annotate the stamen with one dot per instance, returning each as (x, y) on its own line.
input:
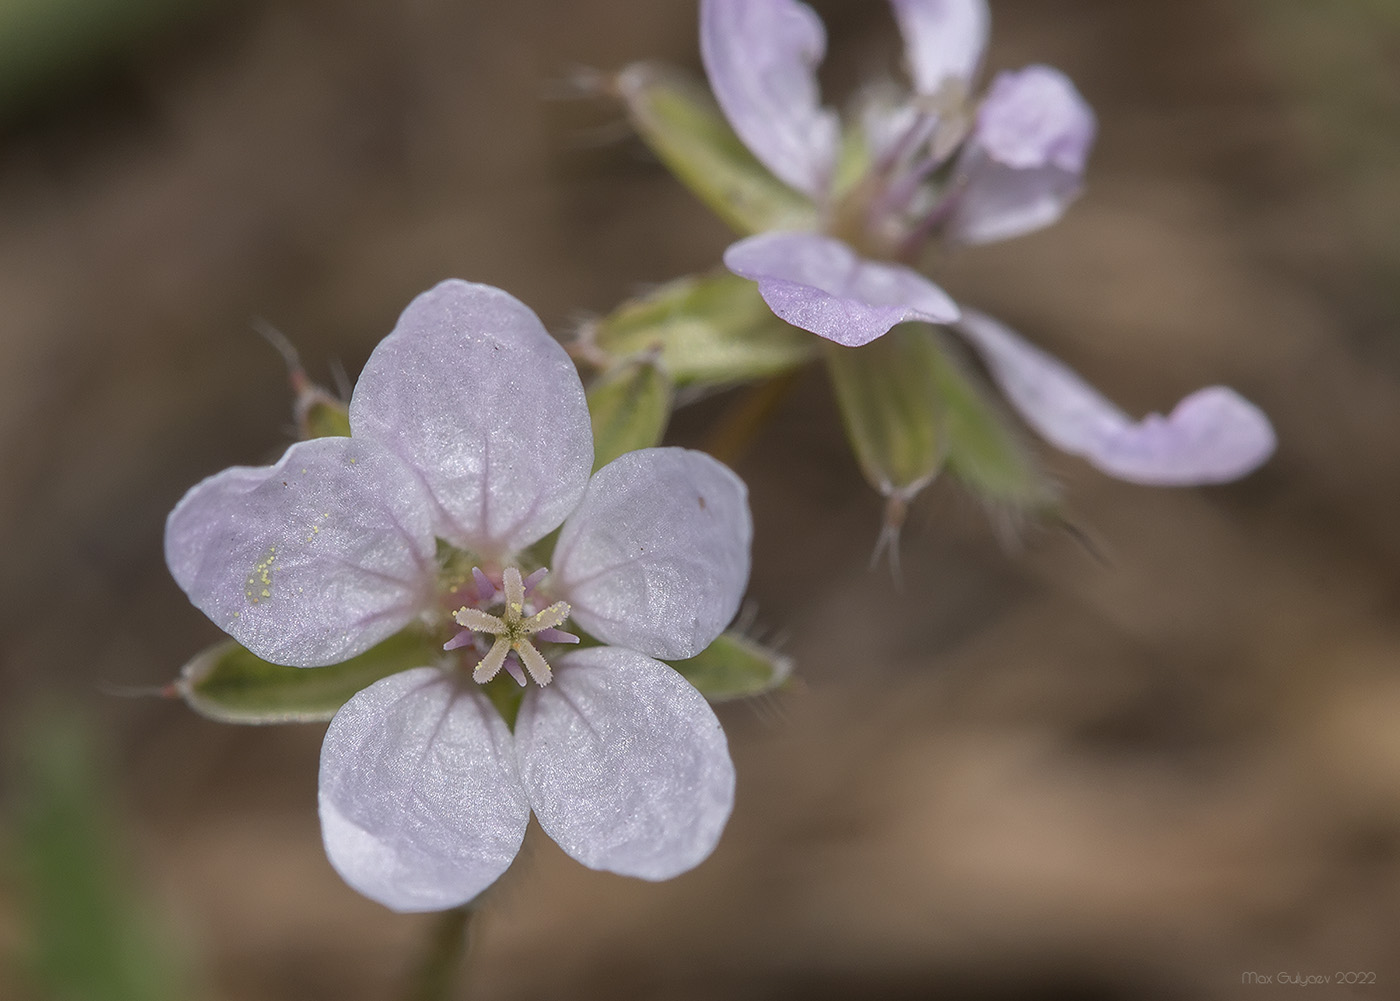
(515, 592)
(511, 629)
(534, 662)
(482, 622)
(550, 617)
(534, 578)
(491, 663)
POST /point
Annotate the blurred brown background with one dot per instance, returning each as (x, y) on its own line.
(1033, 773)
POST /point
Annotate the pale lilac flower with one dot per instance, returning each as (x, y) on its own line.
(471, 442)
(939, 167)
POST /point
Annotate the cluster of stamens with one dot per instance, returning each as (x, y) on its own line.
(513, 628)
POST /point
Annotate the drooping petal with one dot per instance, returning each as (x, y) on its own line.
(943, 39)
(1212, 436)
(657, 556)
(420, 797)
(820, 284)
(625, 764)
(473, 393)
(761, 58)
(310, 561)
(1025, 158)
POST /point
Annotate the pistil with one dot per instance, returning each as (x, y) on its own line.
(512, 628)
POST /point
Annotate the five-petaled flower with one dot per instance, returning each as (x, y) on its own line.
(470, 443)
(938, 166)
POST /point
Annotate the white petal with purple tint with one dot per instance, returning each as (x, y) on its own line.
(625, 764)
(473, 393)
(657, 556)
(1212, 436)
(761, 58)
(943, 39)
(310, 561)
(1025, 159)
(1035, 117)
(820, 284)
(999, 202)
(420, 798)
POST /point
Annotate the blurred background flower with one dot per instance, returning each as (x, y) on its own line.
(1138, 767)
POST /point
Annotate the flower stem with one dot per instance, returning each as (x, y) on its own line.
(737, 429)
(440, 967)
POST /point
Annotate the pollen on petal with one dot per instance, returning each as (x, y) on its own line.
(259, 582)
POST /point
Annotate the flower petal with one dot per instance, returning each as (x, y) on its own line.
(1001, 202)
(1025, 158)
(761, 58)
(657, 556)
(625, 764)
(942, 39)
(475, 395)
(1035, 118)
(1212, 436)
(820, 284)
(420, 799)
(310, 561)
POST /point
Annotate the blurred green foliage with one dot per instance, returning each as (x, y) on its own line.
(90, 933)
(1342, 61)
(50, 48)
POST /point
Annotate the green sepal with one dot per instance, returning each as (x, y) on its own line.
(985, 452)
(630, 405)
(680, 121)
(890, 400)
(321, 415)
(707, 329)
(734, 667)
(231, 685)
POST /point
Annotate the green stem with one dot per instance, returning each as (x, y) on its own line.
(737, 428)
(441, 965)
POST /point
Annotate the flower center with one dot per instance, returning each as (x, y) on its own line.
(515, 628)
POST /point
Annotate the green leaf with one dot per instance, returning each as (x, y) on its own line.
(680, 121)
(985, 452)
(710, 329)
(630, 405)
(231, 685)
(733, 667)
(888, 392)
